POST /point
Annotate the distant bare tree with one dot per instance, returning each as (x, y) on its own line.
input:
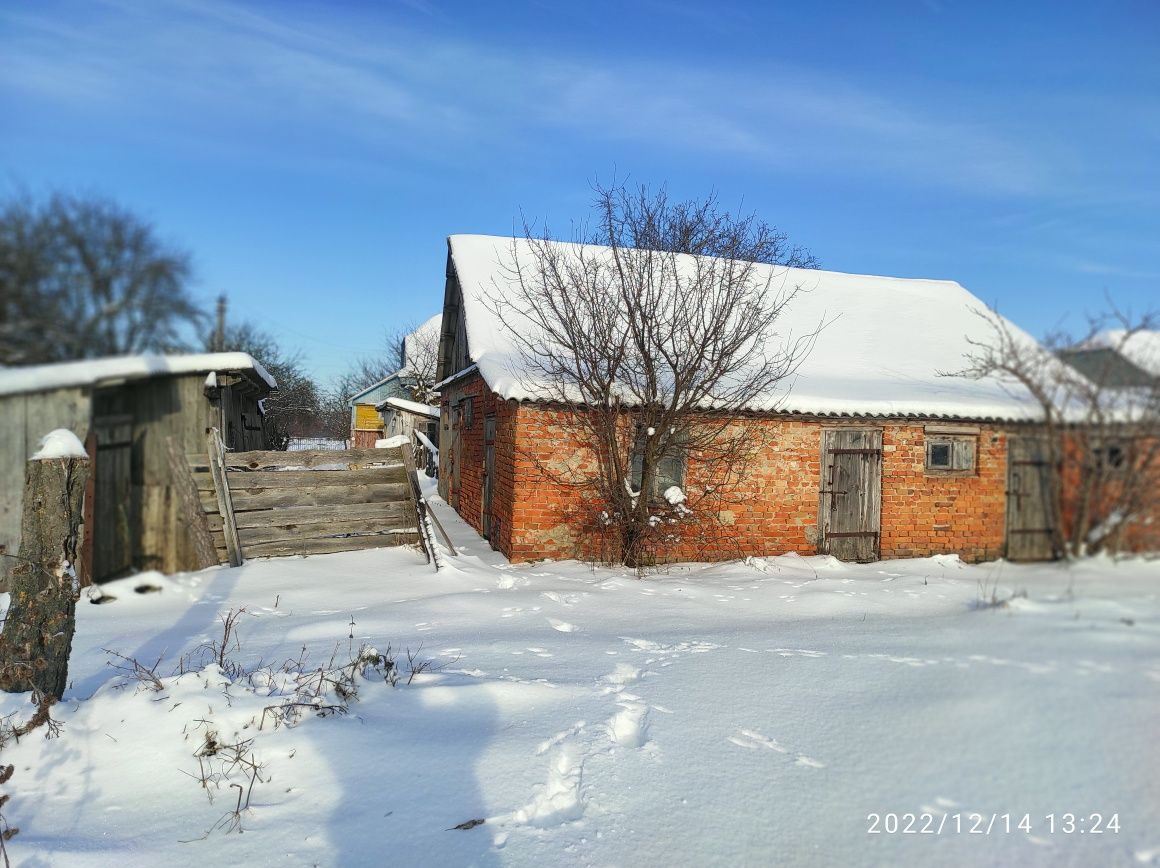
(420, 356)
(1102, 437)
(294, 406)
(81, 277)
(654, 353)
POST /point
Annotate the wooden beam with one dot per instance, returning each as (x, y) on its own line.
(326, 530)
(313, 458)
(224, 499)
(243, 480)
(324, 495)
(303, 515)
(336, 544)
(415, 501)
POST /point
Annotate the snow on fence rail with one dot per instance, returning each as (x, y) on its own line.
(266, 504)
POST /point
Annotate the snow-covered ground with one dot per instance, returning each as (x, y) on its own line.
(739, 714)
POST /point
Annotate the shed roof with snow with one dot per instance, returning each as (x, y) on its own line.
(414, 407)
(1141, 348)
(884, 351)
(117, 369)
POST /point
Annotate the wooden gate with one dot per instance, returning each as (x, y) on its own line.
(850, 508)
(112, 547)
(1030, 528)
(303, 503)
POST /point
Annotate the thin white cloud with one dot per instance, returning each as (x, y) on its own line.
(223, 67)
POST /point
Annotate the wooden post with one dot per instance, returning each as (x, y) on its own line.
(416, 500)
(85, 573)
(217, 469)
(38, 632)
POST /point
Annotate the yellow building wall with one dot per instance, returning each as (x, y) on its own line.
(366, 417)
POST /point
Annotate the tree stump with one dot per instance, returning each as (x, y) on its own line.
(38, 631)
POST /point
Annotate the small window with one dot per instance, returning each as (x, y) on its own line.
(950, 454)
(468, 412)
(1111, 457)
(670, 469)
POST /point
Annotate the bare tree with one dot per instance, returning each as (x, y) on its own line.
(1100, 431)
(420, 357)
(653, 338)
(408, 351)
(294, 406)
(81, 277)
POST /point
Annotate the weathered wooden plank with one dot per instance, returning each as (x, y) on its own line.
(323, 495)
(313, 478)
(414, 501)
(319, 514)
(224, 498)
(294, 478)
(325, 530)
(313, 458)
(189, 510)
(328, 546)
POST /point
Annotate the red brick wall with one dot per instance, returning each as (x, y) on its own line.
(1141, 470)
(472, 455)
(773, 510)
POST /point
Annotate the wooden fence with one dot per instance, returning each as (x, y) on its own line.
(266, 504)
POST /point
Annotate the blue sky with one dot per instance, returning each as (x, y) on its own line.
(314, 156)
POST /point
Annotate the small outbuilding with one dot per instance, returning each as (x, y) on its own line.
(140, 417)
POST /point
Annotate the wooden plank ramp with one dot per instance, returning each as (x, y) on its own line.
(268, 504)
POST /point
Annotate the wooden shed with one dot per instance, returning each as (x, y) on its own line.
(140, 416)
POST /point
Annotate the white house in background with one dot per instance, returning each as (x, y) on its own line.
(420, 352)
(1119, 360)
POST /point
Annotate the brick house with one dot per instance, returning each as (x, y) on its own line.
(871, 452)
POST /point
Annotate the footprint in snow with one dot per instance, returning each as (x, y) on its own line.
(562, 626)
(1149, 856)
(753, 740)
(625, 673)
(629, 726)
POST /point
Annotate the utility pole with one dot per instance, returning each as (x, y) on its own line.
(219, 334)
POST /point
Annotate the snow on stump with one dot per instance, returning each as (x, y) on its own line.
(38, 630)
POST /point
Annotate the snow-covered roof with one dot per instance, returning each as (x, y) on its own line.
(410, 407)
(92, 372)
(1141, 348)
(881, 353)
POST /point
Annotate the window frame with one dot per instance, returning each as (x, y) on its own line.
(636, 469)
(956, 467)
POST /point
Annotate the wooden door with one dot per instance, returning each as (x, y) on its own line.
(488, 475)
(455, 457)
(850, 509)
(112, 493)
(1030, 530)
